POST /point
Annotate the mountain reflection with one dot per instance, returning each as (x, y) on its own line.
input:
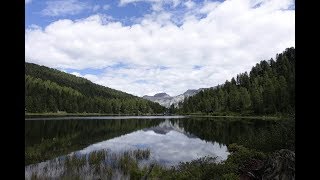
(168, 142)
(166, 126)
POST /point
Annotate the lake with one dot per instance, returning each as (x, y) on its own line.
(168, 139)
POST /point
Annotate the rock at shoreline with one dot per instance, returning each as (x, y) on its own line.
(279, 166)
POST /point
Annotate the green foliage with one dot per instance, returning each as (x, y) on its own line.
(50, 90)
(96, 157)
(101, 164)
(141, 154)
(269, 88)
(241, 154)
(230, 176)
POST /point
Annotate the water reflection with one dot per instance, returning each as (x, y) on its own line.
(105, 117)
(46, 140)
(168, 142)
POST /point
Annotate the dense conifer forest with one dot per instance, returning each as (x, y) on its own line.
(50, 90)
(269, 88)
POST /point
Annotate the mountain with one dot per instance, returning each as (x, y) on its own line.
(161, 95)
(51, 90)
(166, 100)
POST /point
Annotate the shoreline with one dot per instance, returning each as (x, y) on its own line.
(82, 114)
(35, 115)
(243, 117)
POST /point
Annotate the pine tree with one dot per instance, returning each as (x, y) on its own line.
(245, 100)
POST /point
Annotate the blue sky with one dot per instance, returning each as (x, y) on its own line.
(36, 11)
(145, 47)
(42, 12)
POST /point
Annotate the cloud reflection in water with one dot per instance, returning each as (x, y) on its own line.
(169, 144)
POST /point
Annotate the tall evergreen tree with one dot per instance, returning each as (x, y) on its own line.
(268, 88)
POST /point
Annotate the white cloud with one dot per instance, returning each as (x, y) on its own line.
(232, 37)
(157, 5)
(173, 2)
(189, 4)
(64, 7)
(209, 6)
(106, 7)
(142, 80)
(76, 74)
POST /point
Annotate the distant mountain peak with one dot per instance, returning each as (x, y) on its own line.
(191, 91)
(161, 95)
(166, 100)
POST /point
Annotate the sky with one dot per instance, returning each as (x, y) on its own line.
(144, 47)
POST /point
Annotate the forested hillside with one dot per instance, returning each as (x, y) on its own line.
(50, 90)
(269, 88)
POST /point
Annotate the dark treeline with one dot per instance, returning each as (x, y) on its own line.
(50, 90)
(269, 88)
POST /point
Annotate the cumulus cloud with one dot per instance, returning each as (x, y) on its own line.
(230, 38)
(189, 4)
(209, 6)
(148, 80)
(64, 7)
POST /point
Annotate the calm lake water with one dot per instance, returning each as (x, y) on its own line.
(170, 139)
